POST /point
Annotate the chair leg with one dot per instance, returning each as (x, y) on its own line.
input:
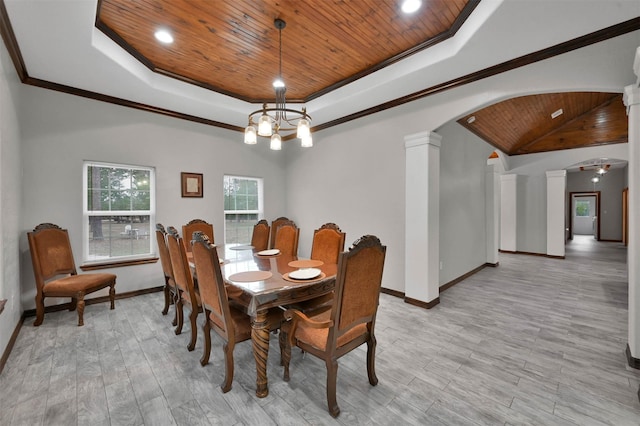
(73, 304)
(371, 360)
(285, 354)
(39, 310)
(332, 374)
(179, 313)
(80, 306)
(206, 329)
(194, 328)
(166, 296)
(228, 362)
(112, 296)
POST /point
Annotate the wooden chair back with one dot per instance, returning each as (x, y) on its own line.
(193, 226)
(274, 228)
(328, 243)
(287, 236)
(260, 236)
(167, 269)
(187, 292)
(213, 293)
(55, 271)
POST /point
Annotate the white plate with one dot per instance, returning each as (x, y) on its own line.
(244, 247)
(269, 252)
(305, 274)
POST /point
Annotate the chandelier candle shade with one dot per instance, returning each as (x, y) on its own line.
(277, 120)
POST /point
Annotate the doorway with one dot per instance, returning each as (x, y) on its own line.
(584, 214)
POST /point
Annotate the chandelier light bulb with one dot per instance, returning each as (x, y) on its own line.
(595, 179)
(276, 142)
(307, 141)
(278, 83)
(250, 136)
(303, 129)
(264, 125)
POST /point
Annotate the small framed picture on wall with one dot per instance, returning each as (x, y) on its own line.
(191, 184)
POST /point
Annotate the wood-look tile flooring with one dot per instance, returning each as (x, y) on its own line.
(533, 341)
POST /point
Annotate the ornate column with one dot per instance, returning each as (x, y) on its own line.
(508, 212)
(422, 219)
(556, 192)
(632, 102)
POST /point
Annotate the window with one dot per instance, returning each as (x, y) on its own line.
(582, 208)
(119, 206)
(242, 208)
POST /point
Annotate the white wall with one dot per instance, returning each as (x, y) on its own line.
(10, 200)
(354, 177)
(60, 131)
(463, 160)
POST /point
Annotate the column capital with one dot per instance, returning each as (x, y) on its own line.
(422, 138)
(631, 96)
(508, 177)
(556, 173)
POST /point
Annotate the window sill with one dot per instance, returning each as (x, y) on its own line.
(96, 266)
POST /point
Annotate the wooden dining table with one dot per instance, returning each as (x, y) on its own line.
(261, 282)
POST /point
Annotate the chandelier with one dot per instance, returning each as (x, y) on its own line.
(272, 122)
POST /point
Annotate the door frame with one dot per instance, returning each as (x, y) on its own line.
(584, 194)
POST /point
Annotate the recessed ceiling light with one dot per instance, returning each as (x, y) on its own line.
(471, 119)
(557, 113)
(410, 6)
(164, 36)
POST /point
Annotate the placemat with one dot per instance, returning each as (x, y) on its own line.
(305, 263)
(293, 280)
(250, 276)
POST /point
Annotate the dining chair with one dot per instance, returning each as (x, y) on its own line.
(287, 236)
(170, 290)
(328, 243)
(187, 292)
(350, 320)
(55, 271)
(274, 227)
(193, 226)
(260, 236)
(230, 323)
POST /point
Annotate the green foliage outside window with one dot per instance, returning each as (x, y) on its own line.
(583, 208)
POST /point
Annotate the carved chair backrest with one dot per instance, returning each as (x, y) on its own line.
(165, 259)
(260, 236)
(193, 226)
(51, 253)
(274, 228)
(357, 290)
(287, 237)
(211, 285)
(328, 243)
(180, 264)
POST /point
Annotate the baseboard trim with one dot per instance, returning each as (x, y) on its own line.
(633, 362)
(102, 299)
(421, 304)
(455, 281)
(528, 253)
(429, 305)
(10, 344)
(391, 292)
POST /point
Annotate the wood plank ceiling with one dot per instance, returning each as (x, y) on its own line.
(231, 47)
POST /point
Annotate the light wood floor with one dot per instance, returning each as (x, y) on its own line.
(534, 341)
